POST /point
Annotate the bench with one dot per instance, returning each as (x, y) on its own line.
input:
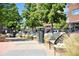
(58, 47)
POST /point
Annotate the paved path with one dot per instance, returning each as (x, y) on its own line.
(23, 48)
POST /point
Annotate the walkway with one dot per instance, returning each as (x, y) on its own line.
(23, 48)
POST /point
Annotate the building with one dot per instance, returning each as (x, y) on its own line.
(72, 13)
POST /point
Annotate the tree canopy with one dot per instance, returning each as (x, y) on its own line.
(38, 13)
(9, 16)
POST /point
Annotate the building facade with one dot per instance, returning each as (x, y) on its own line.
(72, 13)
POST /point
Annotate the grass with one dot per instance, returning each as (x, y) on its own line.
(71, 44)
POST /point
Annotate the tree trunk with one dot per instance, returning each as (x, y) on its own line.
(1, 28)
(52, 26)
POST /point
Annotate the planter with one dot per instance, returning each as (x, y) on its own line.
(2, 39)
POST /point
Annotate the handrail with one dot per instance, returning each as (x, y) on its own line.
(56, 40)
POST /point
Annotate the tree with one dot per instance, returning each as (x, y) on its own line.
(56, 15)
(9, 17)
(44, 13)
(31, 15)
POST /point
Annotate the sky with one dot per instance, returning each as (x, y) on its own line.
(20, 7)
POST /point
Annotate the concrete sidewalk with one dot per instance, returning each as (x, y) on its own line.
(23, 48)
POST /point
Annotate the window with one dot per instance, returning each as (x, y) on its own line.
(75, 12)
